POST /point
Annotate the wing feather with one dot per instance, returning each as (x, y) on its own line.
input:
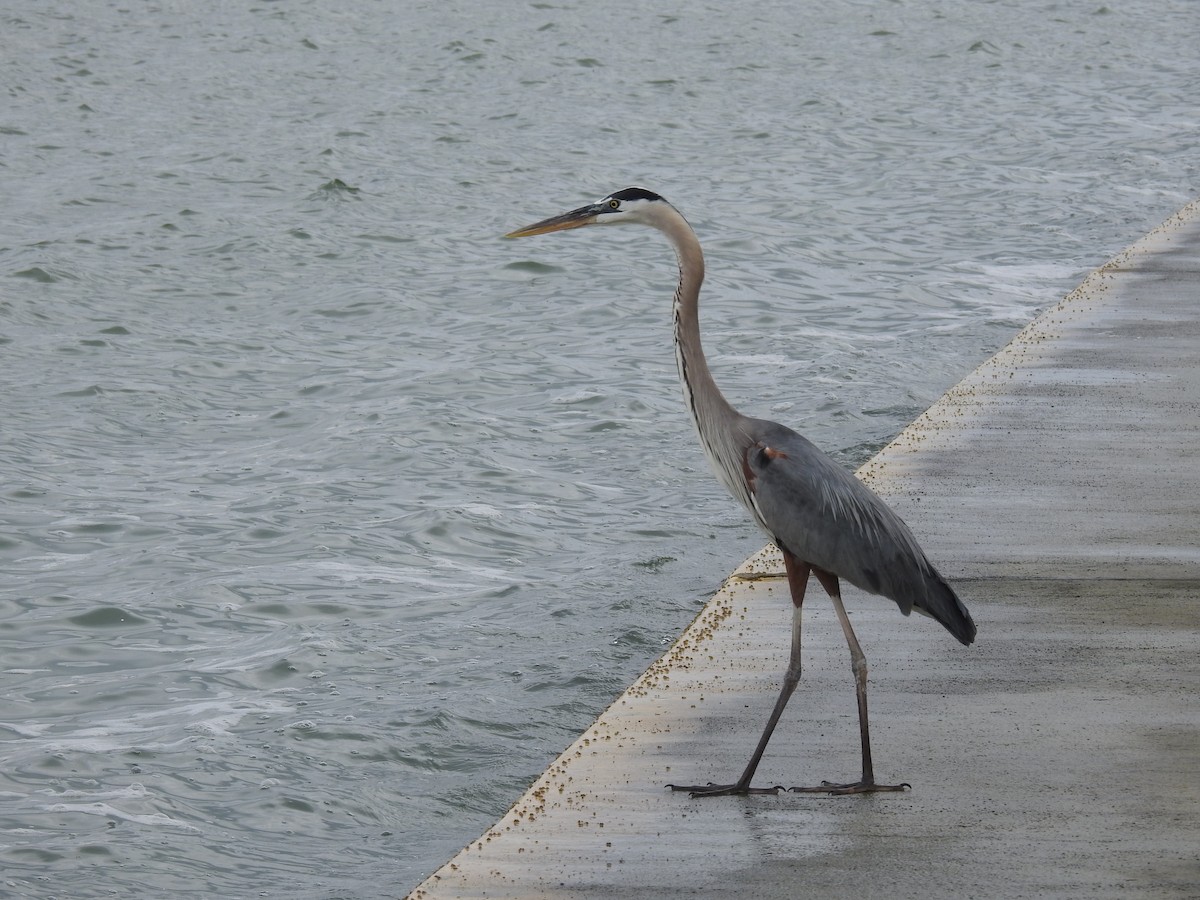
(825, 516)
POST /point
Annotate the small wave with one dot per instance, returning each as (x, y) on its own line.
(155, 820)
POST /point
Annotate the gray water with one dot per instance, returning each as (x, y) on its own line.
(328, 518)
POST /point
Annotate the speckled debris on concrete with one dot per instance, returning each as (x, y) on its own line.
(1058, 488)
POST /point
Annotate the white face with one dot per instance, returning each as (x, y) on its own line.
(631, 205)
(615, 210)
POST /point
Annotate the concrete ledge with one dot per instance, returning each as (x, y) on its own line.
(1058, 487)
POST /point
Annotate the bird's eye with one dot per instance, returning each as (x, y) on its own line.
(614, 204)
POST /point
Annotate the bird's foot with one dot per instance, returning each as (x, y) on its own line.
(723, 790)
(856, 787)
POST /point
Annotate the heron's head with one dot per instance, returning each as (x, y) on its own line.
(630, 205)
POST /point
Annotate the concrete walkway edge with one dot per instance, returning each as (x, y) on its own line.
(1058, 487)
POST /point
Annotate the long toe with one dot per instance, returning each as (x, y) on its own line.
(857, 787)
(722, 790)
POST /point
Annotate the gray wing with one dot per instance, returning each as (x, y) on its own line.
(823, 515)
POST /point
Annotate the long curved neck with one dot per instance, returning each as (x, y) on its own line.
(704, 399)
(718, 424)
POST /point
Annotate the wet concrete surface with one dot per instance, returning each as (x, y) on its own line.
(1058, 488)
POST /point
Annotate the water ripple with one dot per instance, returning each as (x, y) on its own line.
(328, 516)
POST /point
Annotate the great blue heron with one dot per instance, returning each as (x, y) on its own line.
(823, 519)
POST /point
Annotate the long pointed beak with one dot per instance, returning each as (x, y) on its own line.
(576, 218)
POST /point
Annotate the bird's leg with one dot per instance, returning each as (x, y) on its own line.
(797, 576)
(858, 662)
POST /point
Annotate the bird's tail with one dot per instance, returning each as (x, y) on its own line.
(943, 604)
